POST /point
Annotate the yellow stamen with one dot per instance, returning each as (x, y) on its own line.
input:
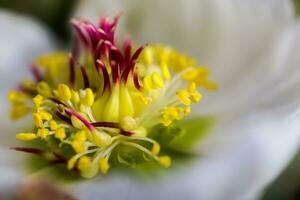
(63, 92)
(87, 97)
(155, 149)
(165, 161)
(37, 120)
(60, 133)
(26, 136)
(104, 165)
(183, 96)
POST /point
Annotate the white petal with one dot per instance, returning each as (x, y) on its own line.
(11, 172)
(22, 39)
(235, 38)
(260, 144)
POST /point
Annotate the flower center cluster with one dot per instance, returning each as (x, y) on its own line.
(100, 99)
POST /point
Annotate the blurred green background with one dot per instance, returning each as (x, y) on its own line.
(56, 14)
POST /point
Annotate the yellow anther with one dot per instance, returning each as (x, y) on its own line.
(155, 149)
(37, 120)
(71, 162)
(38, 100)
(43, 133)
(101, 138)
(78, 146)
(196, 96)
(170, 114)
(148, 55)
(12, 95)
(45, 115)
(53, 125)
(147, 83)
(157, 80)
(87, 97)
(26, 136)
(128, 123)
(165, 161)
(203, 71)
(80, 136)
(187, 110)
(165, 71)
(43, 89)
(63, 92)
(192, 87)
(143, 99)
(75, 96)
(183, 96)
(211, 86)
(87, 168)
(60, 133)
(84, 164)
(18, 111)
(104, 165)
(191, 74)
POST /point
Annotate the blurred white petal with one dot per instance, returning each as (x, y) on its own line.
(235, 38)
(11, 172)
(22, 39)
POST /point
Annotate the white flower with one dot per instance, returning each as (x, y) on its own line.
(252, 47)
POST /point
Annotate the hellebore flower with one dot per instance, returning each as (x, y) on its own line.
(251, 47)
(102, 101)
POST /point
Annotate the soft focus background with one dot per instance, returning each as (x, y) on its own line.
(55, 15)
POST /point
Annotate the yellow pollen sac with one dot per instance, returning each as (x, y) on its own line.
(157, 80)
(191, 74)
(211, 86)
(192, 87)
(165, 161)
(87, 97)
(104, 165)
(144, 100)
(45, 115)
(53, 125)
(43, 133)
(78, 146)
(80, 136)
(75, 96)
(85, 166)
(147, 83)
(170, 114)
(101, 138)
(155, 149)
(148, 56)
(63, 92)
(38, 100)
(183, 96)
(196, 96)
(60, 133)
(43, 89)
(71, 162)
(165, 71)
(187, 110)
(37, 120)
(26, 136)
